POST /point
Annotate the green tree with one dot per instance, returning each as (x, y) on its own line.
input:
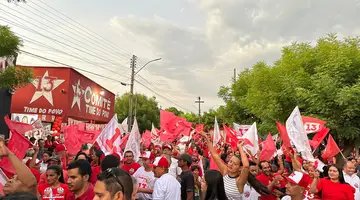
(190, 117)
(175, 111)
(323, 80)
(12, 76)
(145, 108)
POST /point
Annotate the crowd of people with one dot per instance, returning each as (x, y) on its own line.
(167, 172)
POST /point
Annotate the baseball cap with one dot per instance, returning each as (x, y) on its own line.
(54, 158)
(167, 146)
(299, 178)
(186, 157)
(160, 162)
(147, 155)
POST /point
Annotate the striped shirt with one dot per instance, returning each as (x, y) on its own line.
(231, 189)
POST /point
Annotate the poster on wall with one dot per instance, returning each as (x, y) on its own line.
(24, 118)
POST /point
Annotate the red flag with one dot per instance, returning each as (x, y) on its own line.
(319, 137)
(230, 137)
(331, 149)
(146, 138)
(19, 145)
(283, 134)
(199, 128)
(167, 120)
(213, 165)
(72, 140)
(312, 125)
(88, 136)
(269, 148)
(183, 127)
(20, 127)
(124, 141)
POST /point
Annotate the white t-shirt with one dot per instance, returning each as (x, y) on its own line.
(354, 181)
(145, 180)
(250, 193)
(174, 169)
(167, 188)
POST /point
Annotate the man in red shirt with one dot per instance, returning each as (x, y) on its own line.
(79, 173)
(266, 178)
(130, 165)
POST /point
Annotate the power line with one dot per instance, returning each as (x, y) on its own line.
(20, 26)
(85, 28)
(71, 29)
(63, 64)
(99, 75)
(59, 36)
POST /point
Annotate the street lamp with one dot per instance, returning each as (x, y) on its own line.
(133, 73)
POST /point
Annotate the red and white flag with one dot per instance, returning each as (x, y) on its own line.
(251, 139)
(155, 135)
(241, 129)
(296, 132)
(133, 143)
(109, 139)
(216, 135)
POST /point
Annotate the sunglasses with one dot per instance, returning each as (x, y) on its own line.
(110, 173)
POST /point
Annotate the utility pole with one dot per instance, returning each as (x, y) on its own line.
(132, 66)
(199, 101)
(234, 75)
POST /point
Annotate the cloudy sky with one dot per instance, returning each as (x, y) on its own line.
(200, 42)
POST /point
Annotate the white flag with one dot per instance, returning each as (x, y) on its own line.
(109, 139)
(216, 135)
(251, 136)
(240, 129)
(155, 137)
(297, 134)
(133, 143)
(124, 127)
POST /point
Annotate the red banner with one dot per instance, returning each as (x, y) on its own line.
(64, 92)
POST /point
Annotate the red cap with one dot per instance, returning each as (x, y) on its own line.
(167, 146)
(299, 178)
(157, 147)
(60, 147)
(160, 162)
(147, 155)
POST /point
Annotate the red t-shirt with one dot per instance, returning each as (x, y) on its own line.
(282, 181)
(95, 172)
(88, 195)
(48, 144)
(60, 193)
(265, 180)
(43, 177)
(131, 169)
(335, 191)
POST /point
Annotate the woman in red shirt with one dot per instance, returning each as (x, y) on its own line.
(334, 187)
(55, 188)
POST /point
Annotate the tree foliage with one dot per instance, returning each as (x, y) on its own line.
(145, 108)
(12, 76)
(175, 111)
(322, 79)
(9, 43)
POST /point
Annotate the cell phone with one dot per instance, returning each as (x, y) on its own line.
(3, 178)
